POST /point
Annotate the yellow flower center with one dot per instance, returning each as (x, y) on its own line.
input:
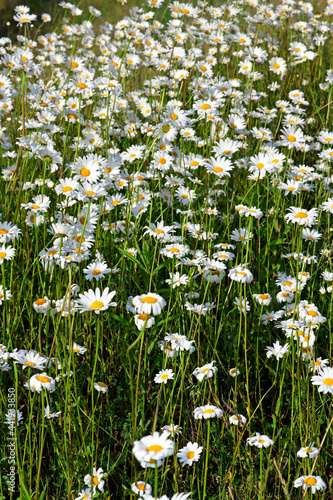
(38, 302)
(43, 379)
(3, 231)
(96, 272)
(85, 172)
(81, 85)
(208, 411)
(155, 447)
(263, 296)
(311, 481)
(66, 189)
(30, 363)
(190, 454)
(291, 138)
(276, 66)
(97, 304)
(165, 376)
(149, 300)
(174, 116)
(328, 381)
(205, 106)
(218, 169)
(301, 215)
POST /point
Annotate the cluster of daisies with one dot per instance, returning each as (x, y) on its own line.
(152, 146)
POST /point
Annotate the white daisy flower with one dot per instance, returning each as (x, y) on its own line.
(189, 454)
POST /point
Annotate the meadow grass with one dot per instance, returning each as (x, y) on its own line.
(165, 252)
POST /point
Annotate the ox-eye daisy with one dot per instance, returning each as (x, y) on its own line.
(189, 454)
(324, 380)
(155, 447)
(95, 301)
(313, 482)
(163, 376)
(207, 411)
(149, 303)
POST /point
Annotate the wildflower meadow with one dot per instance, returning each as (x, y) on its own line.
(166, 277)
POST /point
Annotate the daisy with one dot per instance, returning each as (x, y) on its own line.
(242, 306)
(263, 298)
(234, 372)
(39, 204)
(155, 447)
(86, 494)
(48, 414)
(8, 232)
(189, 454)
(149, 303)
(30, 359)
(143, 319)
(101, 387)
(242, 235)
(277, 350)
(39, 382)
(241, 274)
(260, 441)
(95, 301)
(278, 66)
(302, 216)
(207, 411)
(324, 380)
(237, 420)
(86, 170)
(176, 279)
(308, 451)
(42, 305)
(327, 206)
(185, 195)
(4, 295)
(159, 230)
(141, 488)
(292, 137)
(95, 479)
(206, 371)
(311, 234)
(6, 253)
(318, 365)
(314, 482)
(220, 166)
(78, 349)
(96, 270)
(173, 429)
(175, 250)
(163, 376)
